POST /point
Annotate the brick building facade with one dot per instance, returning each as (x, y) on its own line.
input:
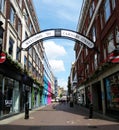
(97, 69)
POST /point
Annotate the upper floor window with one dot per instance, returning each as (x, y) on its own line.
(12, 15)
(30, 66)
(94, 34)
(92, 7)
(19, 27)
(86, 52)
(113, 4)
(2, 5)
(11, 43)
(26, 16)
(26, 35)
(30, 51)
(30, 27)
(87, 69)
(25, 62)
(95, 61)
(110, 41)
(117, 36)
(104, 50)
(20, 3)
(107, 10)
(18, 54)
(34, 55)
(37, 59)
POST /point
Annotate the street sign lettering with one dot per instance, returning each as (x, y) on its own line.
(53, 33)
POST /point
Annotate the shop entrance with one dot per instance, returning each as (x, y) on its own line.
(97, 96)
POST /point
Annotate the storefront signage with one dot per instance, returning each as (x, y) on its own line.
(56, 33)
(2, 57)
(8, 103)
(37, 37)
(78, 37)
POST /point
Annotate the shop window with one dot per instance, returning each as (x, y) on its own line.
(11, 43)
(16, 97)
(1, 95)
(8, 95)
(107, 10)
(112, 92)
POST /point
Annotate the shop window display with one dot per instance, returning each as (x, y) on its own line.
(112, 92)
(8, 93)
(1, 96)
(9, 96)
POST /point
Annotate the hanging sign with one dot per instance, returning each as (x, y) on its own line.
(56, 33)
(2, 57)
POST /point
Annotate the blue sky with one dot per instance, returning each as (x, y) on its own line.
(60, 52)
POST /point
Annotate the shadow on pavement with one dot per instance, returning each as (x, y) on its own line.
(76, 109)
(20, 127)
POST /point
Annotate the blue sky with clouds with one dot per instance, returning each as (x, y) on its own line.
(60, 52)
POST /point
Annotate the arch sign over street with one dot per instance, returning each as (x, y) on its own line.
(56, 33)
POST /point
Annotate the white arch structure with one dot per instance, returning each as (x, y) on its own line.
(56, 33)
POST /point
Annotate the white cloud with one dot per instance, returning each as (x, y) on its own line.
(57, 65)
(53, 50)
(54, 53)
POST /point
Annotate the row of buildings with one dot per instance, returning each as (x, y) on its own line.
(94, 76)
(25, 76)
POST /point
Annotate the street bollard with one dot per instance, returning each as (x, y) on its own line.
(26, 110)
(91, 111)
(71, 104)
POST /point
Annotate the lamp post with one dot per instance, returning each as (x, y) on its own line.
(26, 103)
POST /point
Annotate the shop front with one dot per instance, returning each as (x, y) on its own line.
(97, 96)
(9, 96)
(82, 95)
(13, 83)
(111, 84)
(35, 96)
